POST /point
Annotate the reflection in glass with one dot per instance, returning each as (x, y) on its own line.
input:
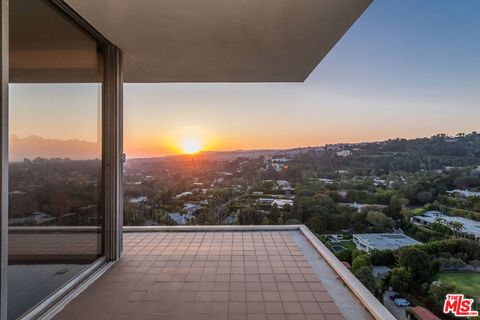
(55, 186)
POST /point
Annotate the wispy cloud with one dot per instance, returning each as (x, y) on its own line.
(35, 146)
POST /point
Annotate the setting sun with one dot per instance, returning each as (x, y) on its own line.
(191, 146)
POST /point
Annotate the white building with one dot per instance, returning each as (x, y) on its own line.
(361, 206)
(190, 208)
(326, 181)
(138, 199)
(379, 182)
(276, 166)
(285, 186)
(281, 203)
(382, 241)
(179, 218)
(464, 193)
(471, 228)
(344, 153)
(184, 194)
(265, 200)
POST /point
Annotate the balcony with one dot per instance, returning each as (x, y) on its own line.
(63, 254)
(273, 272)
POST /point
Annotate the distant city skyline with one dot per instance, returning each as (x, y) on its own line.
(405, 69)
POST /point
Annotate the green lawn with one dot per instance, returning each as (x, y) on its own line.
(418, 211)
(348, 244)
(468, 283)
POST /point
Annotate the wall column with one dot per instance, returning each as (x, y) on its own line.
(113, 152)
(4, 157)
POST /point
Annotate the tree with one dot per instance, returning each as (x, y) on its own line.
(274, 214)
(457, 228)
(362, 260)
(441, 227)
(401, 279)
(248, 215)
(296, 210)
(364, 274)
(464, 182)
(417, 262)
(395, 207)
(379, 219)
(438, 291)
(405, 213)
(382, 257)
(424, 197)
(316, 223)
(345, 255)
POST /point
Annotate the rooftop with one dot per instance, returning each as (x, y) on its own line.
(214, 273)
(469, 226)
(384, 241)
(423, 313)
(465, 193)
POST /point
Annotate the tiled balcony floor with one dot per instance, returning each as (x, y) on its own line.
(214, 275)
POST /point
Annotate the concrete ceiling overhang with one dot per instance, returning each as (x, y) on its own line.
(221, 40)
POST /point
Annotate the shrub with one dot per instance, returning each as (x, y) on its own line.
(362, 260)
(364, 274)
(424, 197)
(345, 255)
(293, 221)
(417, 262)
(438, 291)
(382, 257)
(453, 246)
(401, 279)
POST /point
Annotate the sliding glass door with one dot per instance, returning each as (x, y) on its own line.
(56, 213)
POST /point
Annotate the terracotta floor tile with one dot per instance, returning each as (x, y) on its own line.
(237, 307)
(271, 296)
(288, 296)
(300, 316)
(255, 307)
(328, 307)
(292, 307)
(219, 307)
(207, 276)
(322, 296)
(334, 317)
(285, 286)
(274, 307)
(257, 316)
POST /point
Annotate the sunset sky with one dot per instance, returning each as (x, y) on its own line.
(406, 68)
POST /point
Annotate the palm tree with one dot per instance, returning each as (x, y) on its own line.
(457, 228)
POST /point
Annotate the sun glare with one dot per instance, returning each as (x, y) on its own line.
(191, 146)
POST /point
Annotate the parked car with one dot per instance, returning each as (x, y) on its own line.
(394, 296)
(401, 302)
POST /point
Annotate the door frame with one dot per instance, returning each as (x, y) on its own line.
(112, 157)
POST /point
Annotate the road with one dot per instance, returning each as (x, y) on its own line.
(398, 312)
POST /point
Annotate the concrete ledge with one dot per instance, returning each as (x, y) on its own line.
(216, 228)
(374, 306)
(53, 229)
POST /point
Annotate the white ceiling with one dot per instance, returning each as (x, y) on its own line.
(221, 40)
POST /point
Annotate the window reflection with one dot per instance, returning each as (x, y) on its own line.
(55, 183)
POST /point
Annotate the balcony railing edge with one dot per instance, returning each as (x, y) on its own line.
(376, 309)
(217, 228)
